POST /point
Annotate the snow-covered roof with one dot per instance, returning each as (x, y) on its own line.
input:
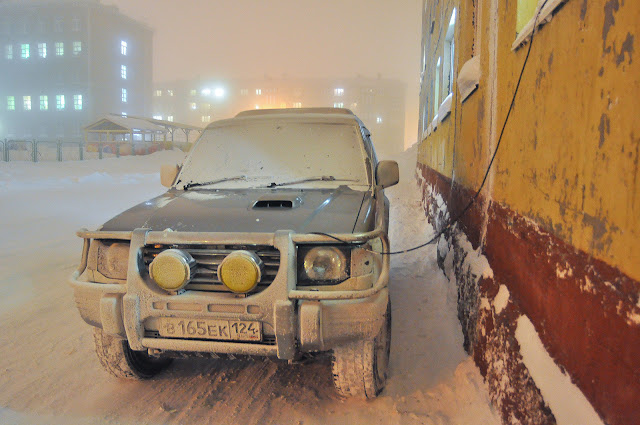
(120, 124)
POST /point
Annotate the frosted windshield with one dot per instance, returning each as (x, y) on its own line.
(276, 152)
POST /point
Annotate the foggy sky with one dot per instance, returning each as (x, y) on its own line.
(297, 38)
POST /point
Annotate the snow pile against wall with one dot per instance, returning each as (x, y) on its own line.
(566, 401)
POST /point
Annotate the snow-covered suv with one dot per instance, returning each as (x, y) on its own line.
(269, 242)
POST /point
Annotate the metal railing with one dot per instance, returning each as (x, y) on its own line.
(60, 150)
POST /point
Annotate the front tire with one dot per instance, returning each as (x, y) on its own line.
(121, 361)
(360, 368)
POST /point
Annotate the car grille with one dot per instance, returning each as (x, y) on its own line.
(209, 257)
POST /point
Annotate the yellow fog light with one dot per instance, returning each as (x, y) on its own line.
(240, 271)
(172, 269)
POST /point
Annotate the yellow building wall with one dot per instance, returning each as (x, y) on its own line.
(569, 156)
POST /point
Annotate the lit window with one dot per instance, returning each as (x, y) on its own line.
(206, 106)
(244, 92)
(157, 117)
(297, 104)
(219, 92)
(57, 25)
(258, 92)
(193, 106)
(77, 48)
(338, 92)
(526, 10)
(338, 104)
(124, 95)
(123, 72)
(206, 118)
(193, 92)
(8, 51)
(42, 50)
(123, 48)
(124, 114)
(11, 103)
(436, 89)
(24, 51)
(206, 92)
(59, 102)
(26, 103)
(59, 48)
(75, 24)
(379, 120)
(77, 102)
(158, 93)
(449, 53)
(44, 102)
(170, 92)
(170, 118)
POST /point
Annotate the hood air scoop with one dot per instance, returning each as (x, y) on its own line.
(277, 202)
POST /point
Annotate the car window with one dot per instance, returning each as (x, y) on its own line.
(278, 151)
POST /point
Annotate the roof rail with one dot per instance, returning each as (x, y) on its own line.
(326, 110)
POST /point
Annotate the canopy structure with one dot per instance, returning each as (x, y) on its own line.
(118, 128)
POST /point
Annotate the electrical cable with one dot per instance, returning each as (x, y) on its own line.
(450, 222)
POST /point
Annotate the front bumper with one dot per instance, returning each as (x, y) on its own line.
(293, 320)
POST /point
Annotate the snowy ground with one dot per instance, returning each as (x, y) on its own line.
(50, 375)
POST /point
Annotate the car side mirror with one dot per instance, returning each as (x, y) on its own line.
(168, 174)
(387, 173)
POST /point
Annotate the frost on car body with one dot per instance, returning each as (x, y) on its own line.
(268, 242)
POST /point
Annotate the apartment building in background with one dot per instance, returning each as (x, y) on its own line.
(65, 63)
(379, 102)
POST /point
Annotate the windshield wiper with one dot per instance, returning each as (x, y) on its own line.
(310, 179)
(226, 179)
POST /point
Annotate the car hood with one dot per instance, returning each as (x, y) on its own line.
(338, 210)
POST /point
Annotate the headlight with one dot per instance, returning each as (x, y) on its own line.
(240, 271)
(112, 259)
(323, 264)
(172, 269)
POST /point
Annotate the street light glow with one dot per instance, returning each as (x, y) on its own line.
(219, 92)
(206, 92)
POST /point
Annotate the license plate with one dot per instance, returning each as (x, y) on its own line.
(231, 330)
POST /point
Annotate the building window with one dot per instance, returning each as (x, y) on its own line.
(206, 118)
(8, 51)
(26, 103)
(57, 25)
(379, 120)
(244, 92)
(11, 103)
(77, 48)
(338, 92)
(59, 48)
(75, 24)
(258, 92)
(60, 102)
(338, 104)
(77, 102)
(193, 92)
(297, 104)
(193, 106)
(449, 53)
(436, 89)
(24, 51)
(157, 117)
(158, 93)
(526, 10)
(123, 48)
(170, 118)
(124, 95)
(124, 114)
(170, 92)
(42, 50)
(123, 72)
(44, 102)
